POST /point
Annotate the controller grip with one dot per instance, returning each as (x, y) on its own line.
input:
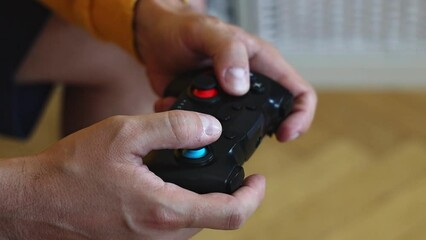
(245, 121)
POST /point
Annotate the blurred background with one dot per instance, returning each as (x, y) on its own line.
(341, 43)
(360, 172)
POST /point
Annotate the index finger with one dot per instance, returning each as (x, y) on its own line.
(267, 60)
(186, 209)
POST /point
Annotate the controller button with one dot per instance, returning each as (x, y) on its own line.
(230, 136)
(258, 87)
(251, 107)
(224, 117)
(205, 94)
(237, 106)
(194, 153)
(235, 179)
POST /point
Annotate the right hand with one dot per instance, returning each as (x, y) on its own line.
(173, 39)
(93, 184)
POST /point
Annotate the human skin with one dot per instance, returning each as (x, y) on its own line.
(93, 185)
(173, 39)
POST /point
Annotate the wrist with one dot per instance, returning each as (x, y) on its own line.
(13, 197)
(147, 14)
(152, 18)
(25, 202)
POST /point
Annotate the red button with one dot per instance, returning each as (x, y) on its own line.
(209, 93)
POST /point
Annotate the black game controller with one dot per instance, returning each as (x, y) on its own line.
(245, 121)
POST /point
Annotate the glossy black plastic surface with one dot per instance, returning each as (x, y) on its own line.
(245, 121)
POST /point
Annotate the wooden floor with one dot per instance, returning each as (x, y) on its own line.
(360, 173)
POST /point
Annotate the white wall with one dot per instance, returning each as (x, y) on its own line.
(367, 44)
(363, 72)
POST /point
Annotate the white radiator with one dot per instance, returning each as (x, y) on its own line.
(341, 43)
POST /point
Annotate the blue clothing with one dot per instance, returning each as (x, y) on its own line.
(20, 105)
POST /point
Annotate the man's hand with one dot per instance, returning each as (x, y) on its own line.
(93, 184)
(173, 38)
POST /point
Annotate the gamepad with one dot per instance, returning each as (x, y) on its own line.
(245, 121)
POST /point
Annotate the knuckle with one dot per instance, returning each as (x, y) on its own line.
(230, 36)
(203, 21)
(238, 33)
(165, 218)
(121, 126)
(183, 126)
(236, 219)
(197, 25)
(233, 42)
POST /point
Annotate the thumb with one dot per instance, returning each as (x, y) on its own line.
(177, 129)
(231, 66)
(228, 50)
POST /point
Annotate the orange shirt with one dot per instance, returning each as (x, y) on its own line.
(109, 20)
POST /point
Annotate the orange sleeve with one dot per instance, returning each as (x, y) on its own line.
(109, 20)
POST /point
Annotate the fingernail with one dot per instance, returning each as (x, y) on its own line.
(211, 125)
(237, 78)
(294, 136)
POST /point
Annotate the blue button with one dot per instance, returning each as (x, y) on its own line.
(194, 153)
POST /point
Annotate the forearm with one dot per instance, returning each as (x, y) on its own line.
(12, 197)
(28, 202)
